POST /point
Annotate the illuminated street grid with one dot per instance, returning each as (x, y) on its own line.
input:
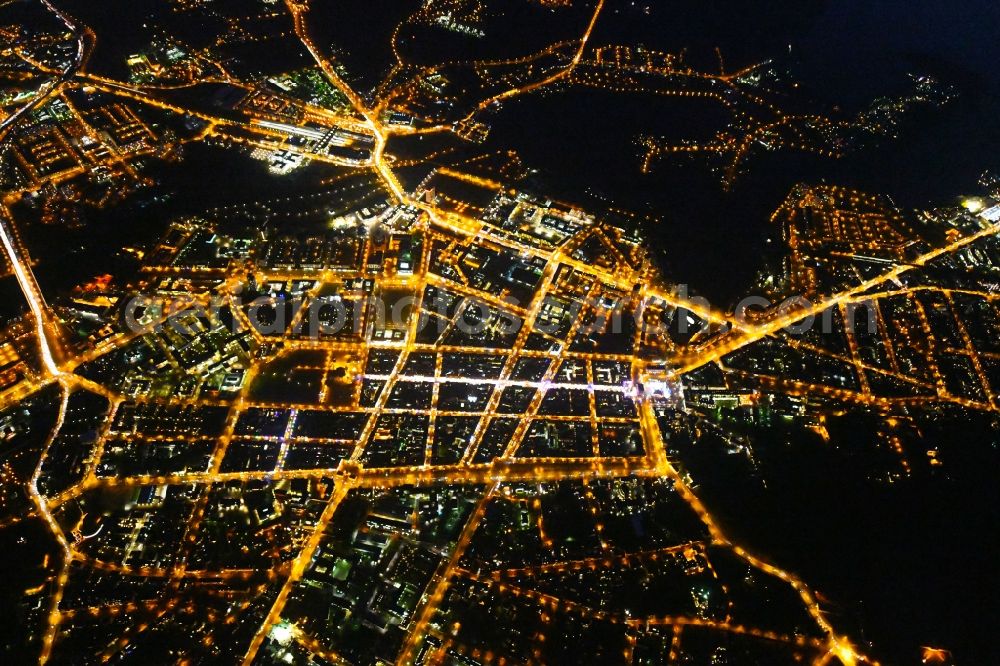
(277, 481)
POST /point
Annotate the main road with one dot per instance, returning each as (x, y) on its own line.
(46, 327)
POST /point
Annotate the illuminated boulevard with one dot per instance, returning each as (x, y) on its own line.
(510, 441)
